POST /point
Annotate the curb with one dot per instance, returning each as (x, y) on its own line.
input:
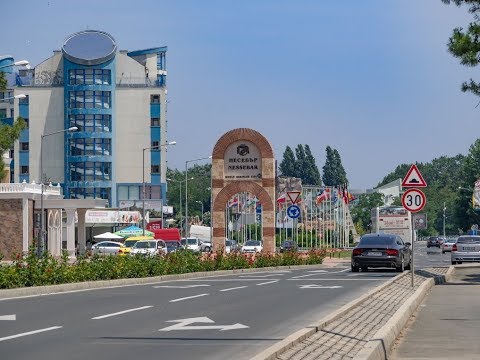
(273, 351)
(379, 346)
(104, 284)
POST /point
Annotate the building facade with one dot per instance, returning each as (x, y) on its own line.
(116, 101)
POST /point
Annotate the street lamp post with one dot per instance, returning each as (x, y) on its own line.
(186, 190)
(201, 203)
(19, 96)
(41, 243)
(143, 179)
(444, 208)
(16, 63)
(180, 182)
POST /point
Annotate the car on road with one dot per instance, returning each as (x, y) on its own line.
(149, 247)
(467, 248)
(434, 241)
(231, 246)
(205, 245)
(288, 245)
(380, 250)
(126, 248)
(448, 244)
(106, 248)
(191, 243)
(173, 245)
(252, 246)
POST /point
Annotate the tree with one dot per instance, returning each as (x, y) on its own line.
(312, 174)
(333, 172)
(8, 133)
(287, 166)
(300, 164)
(341, 175)
(465, 45)
(361, 211)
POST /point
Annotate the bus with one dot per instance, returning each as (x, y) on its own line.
(392, 220)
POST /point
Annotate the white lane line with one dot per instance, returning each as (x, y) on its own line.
(8, 317)
(231, 280)
(268, 282)
(301, 276)
(188, 297)
(30, 333)
(121, 312)
(258, 276)
(179, 286)
(234, 288)
(340, 279)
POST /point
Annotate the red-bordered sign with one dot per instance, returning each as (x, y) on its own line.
(414, 178)
(414, 200)
(293, 196)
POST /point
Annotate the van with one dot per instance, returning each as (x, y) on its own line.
(191, 243)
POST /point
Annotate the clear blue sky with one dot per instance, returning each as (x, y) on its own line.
(372, 79)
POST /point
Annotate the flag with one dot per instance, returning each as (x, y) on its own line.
(322, 195)
(233, 202)
(282, 199)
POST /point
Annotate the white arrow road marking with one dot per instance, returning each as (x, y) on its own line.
(259, 276)
(188, 297)
(184, 324)
(8, 317)
(234, 288)
(121, 312)
(180, 286)
(318, 271)
(268, 282)
(29, 333)
(313, 286)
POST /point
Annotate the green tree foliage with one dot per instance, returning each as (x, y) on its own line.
(333, 171)
(465, 44)
(300, 164)
(312, 174)
(361, 211)
(3, 81)
(287, 166)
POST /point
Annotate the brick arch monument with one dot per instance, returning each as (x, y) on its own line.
(243, 161)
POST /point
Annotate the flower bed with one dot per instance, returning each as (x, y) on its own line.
(29, 270)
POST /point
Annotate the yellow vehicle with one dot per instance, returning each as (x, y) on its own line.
(126, 248)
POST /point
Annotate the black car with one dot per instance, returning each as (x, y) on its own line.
(288, 245)
(434, 241)
(381, 250)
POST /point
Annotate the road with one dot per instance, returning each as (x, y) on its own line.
(234, 316)
(429, 257)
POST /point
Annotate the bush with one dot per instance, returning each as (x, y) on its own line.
(29, 270)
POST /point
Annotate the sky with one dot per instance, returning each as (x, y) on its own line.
(372, 79)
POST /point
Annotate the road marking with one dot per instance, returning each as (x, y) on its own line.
(318, 271)
(301, 276)
(8, 317)
(268, 282)
(258, 276)
(230, 280)
(234, 288)
(184, 324)
(121, 312)
(339, 279)
(179, 286)
(30, 333)
(314, 286)
(188, 297)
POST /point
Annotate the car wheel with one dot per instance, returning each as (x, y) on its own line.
(443, 252)
(207, 249)
(459, 262)
(355, 268)
(454, 263)
(428, 246)
(364, 268)
(401, 268)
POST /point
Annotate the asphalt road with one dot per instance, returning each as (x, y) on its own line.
(429, 257)
(217, 317)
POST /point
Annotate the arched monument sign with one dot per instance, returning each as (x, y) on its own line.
(243, 161)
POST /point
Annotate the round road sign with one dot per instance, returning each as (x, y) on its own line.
(293, 211)
(414, 200)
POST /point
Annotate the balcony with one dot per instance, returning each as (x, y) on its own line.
(32, 188)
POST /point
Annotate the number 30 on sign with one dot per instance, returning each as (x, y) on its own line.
(414, 200)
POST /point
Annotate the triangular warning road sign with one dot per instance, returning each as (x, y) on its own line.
(293, 196)
(414, 178)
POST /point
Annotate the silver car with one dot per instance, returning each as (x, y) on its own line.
(467, 248)
(106, 248)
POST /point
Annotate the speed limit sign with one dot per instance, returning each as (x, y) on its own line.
(414, 200)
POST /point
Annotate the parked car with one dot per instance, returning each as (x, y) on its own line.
(467, 248)
(173, 245)
(231, 246)
(106, 248)
(252, 246)
(433, 241)
(149, 247)
(381, 250)
(126, 247)
(288, 245)
(191, 243)
(447, 245)
(205, 245)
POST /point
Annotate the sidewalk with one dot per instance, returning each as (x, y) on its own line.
(447, 324)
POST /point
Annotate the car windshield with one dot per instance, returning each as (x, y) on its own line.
(228, 243)
(288, 243)
(129, 243)
(145, 245)
(252, 243)
(468, 240)
(377, 241)
(172, 244)
(192, 241)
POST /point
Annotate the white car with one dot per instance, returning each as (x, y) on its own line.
(448, 244)
(191, 243)
(205, 245)
(149, 247)
(252, 246)
(106, 248)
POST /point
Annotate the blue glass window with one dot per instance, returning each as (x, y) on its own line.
(91, 122)
(89, 77)
(90, 99)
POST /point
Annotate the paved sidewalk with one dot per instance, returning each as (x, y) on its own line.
(447, 323)
(347, 335)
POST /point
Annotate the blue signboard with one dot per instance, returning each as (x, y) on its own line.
(293, 211)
